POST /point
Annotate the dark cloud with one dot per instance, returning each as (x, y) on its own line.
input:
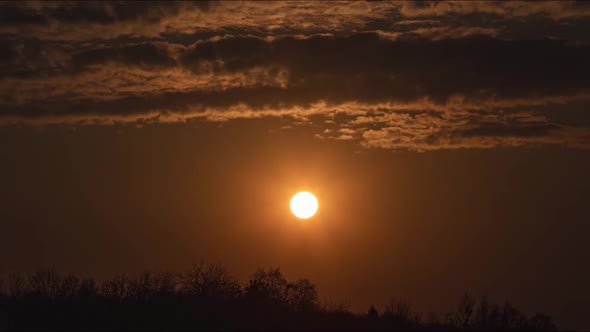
(13, 13)
(371, 68)
(101, 12)
(394, 75)
(231, 54)
(28, 58)
(171, 19)
(7, 53)
(494, 129)
(363, 67)
(148, 55)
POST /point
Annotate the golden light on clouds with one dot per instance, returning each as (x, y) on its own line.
(304, 205)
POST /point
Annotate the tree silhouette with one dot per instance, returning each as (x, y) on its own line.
(372, 313)
(17, 285)
(207, 296)
(210, 281)
(88, 289)
(541, 322)
(268, 285)
(302, 295)
(117, 288)
(398, 311)
(465, 310)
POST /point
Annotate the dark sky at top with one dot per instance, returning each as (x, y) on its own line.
(447, 143)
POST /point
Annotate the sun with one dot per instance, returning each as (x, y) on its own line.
(304, 205)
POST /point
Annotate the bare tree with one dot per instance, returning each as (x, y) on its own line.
(433, 320)
(151, 284)
(88, 288)
(450, 319)
(335, 307)
(511, 317)
(372, 313)
(465, 310)
(117, 288)
(270, 285)
(482, 313)
(210, 281)
(142, 288)
(69, 287)
(45, 283)
(398, 311)
(302, 294)
(494, 317)
(17, 285)
(541, 322)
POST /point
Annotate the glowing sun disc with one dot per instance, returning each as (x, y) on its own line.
(304, 205)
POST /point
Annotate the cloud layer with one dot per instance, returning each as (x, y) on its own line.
(403, 76)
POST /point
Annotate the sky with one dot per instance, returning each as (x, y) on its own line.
(447, 144)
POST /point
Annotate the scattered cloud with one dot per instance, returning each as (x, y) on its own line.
(404, 76)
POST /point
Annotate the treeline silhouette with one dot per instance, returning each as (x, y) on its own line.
(208, 297)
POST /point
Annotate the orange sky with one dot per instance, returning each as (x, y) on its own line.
(447, 143)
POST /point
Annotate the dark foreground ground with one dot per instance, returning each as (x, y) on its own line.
(207, 297)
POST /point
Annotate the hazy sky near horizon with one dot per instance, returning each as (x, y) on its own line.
(447, 143)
